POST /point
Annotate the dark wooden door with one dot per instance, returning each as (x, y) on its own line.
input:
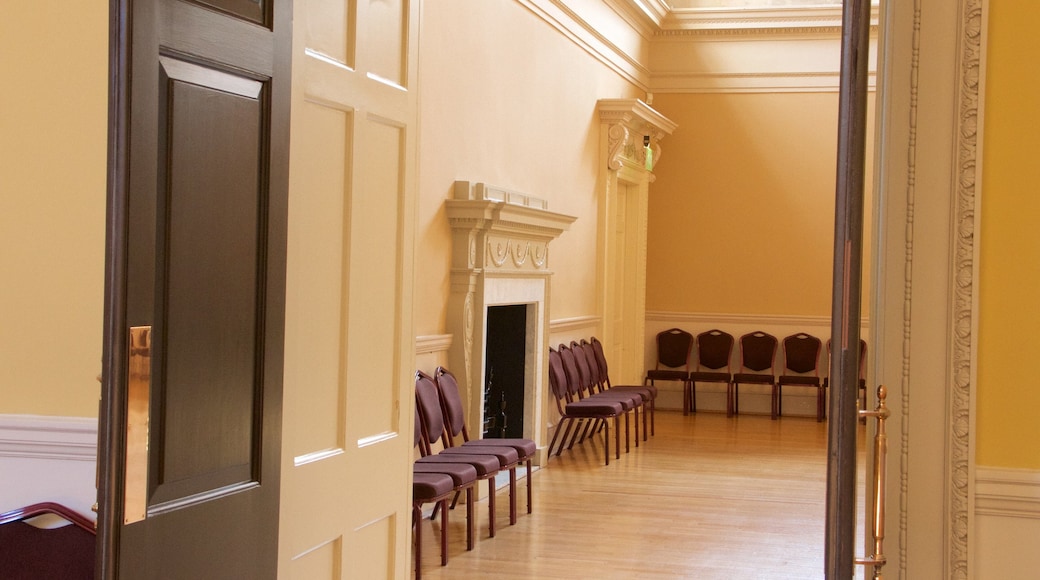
(195, 289)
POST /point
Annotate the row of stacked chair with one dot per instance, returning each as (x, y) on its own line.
(712, 364)
(588, 402)
(460, 463)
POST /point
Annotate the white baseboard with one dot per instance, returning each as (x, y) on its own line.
(48, 459)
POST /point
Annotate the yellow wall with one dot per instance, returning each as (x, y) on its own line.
(508, 100)
(1008, 418)
(53, 110)
(742, 212)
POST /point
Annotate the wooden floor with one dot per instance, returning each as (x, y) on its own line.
(708, 497)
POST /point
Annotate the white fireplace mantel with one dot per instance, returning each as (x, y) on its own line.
(500, 256)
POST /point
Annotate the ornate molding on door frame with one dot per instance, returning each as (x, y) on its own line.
(963, 320)
(961, 434)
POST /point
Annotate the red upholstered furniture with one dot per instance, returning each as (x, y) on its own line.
(757, 354)
(714, 351)
(674, 347)
(574, 414)
(801, 369)
(604, 377)
(487, 460)
(455, 426)
(31, 553)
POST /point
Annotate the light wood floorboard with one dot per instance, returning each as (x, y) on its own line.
(708, 497)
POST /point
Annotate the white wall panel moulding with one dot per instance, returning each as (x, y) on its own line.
(1007, 492)
(44, 437)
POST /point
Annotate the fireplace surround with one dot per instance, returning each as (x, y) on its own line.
(500, 256)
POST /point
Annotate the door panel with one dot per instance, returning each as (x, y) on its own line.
(351, 356)
(204, 95)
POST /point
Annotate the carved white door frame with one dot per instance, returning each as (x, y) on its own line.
(629, 128)
(925, 302)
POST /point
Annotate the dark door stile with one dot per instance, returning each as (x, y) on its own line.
(188, 472)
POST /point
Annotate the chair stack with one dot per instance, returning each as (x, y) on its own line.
(440, 418)
(589, 403)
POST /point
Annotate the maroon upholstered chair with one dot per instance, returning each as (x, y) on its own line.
(463, 478)
(674, 347)
(28, 552)
(589, 387)
(801, 369)
(574, 413)
(604, 374)
(455, 425)
(714, 351)
(579, 389)
(427, 488)
(598, 385)
(757, 366)
(487, 460)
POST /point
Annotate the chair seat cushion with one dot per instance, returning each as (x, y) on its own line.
(427, 486)
(590, 408)
(799, 380)
(628, 400)
(648, 392)
(525, 447)
(753, 378)
(460, 473)
(665, 375)
(484, 464)
(505, 455)
(710, 377)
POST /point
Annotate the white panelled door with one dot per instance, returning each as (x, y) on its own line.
(349, 337)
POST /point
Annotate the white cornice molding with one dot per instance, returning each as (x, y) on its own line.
(563, 17)
(745, 21)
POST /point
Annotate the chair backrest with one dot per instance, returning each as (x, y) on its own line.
(714, 349)
(601, 361)
(593, 364)
(570, 366)
(451, 402)
(588, 382)
(428, 402)
(27, 551)
(673, 348)
(802, 353)
(557, 378)
(757, 351)
(417, 438)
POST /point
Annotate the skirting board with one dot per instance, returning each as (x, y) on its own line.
(48, 459)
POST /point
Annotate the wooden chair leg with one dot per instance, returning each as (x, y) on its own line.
(491, 506)
(530, 494)
(417, 524)
(512, 496)
(444, 532)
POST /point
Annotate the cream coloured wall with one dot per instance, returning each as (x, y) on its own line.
(1008, 399)
(508, 100)
(53, 111)
(742, 213)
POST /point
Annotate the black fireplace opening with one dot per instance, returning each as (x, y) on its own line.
(504, 371)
